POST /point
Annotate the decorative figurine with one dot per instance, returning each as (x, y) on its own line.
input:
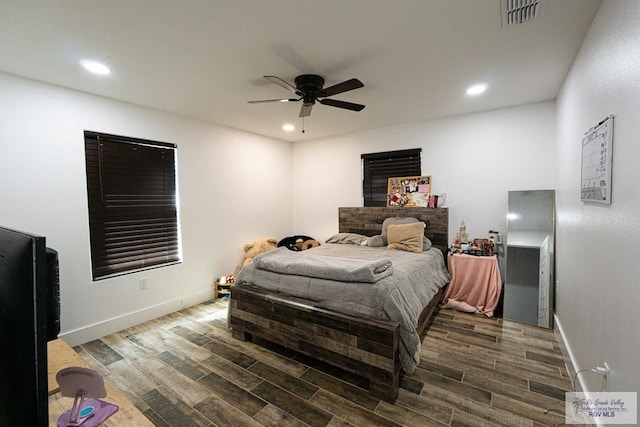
(464, 236)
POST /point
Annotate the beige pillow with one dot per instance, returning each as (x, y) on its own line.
(406, 237)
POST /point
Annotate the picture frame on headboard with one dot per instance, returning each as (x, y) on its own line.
(409, 191)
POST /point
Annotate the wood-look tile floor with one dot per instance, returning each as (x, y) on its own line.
(185, 369)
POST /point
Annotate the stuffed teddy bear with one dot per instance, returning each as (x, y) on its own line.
(298, 242)
(306, 244)
(253, 249)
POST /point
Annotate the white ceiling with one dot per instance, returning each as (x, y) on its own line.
(206, 58)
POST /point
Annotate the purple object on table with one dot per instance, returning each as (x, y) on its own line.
(102, 411)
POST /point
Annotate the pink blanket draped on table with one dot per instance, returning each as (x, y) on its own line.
(475, 284)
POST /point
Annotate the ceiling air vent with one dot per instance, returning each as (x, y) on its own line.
(519, 11)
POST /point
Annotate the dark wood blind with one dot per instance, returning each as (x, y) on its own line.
(133, 215)
(378, 167)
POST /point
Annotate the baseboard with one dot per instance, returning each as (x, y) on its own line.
(100, 329)
(568, 356)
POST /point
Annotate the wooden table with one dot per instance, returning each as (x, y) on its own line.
(60, 355)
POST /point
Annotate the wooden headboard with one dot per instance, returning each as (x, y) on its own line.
(368, 221)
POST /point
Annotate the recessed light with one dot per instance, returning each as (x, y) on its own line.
(95, 67)
(477, 89)
(288, 127)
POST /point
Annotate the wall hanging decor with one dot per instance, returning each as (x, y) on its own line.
(409, 191)
(597, 150)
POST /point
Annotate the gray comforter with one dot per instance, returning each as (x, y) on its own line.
(400, 296)
(282, 260)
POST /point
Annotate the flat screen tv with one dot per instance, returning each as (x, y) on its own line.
(28, 296)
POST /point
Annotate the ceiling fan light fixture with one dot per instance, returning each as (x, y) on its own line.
(477, 89)
(310, 89)
(95, 67)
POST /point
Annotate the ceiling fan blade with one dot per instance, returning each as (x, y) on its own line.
(342, 87)
(305, 110)
(274, 100)
(342, 104)
(280, 82)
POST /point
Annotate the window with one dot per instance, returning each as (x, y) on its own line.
(133, 204)
(377, 167)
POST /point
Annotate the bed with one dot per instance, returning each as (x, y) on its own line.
(337, 322)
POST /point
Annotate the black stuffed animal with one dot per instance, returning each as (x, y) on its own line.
(298, 242)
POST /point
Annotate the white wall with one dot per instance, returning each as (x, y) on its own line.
(597, 266)
(475, 159)
(234, 187)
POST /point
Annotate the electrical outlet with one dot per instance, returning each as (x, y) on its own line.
(604, 371)
(143, 283)
(495, 237)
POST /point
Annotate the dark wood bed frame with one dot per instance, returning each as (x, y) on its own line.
(365, 346)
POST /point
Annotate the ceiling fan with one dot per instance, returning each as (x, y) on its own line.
(309, 89)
